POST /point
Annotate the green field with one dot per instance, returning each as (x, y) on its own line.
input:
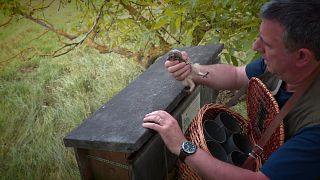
(42, 98)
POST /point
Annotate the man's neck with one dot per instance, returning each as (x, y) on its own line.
(299, 79)
(290, 87)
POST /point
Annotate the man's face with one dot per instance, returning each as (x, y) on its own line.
(270, 44)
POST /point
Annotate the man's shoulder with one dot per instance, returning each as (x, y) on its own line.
(255, 68)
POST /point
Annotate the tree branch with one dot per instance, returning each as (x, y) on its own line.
(48, 26)
(20, 53)
(42, 8)
(71, 46)
(164, 29)
(45, 32)
(134, 13)
(151, 54)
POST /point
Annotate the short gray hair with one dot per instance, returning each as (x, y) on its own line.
(301, 21)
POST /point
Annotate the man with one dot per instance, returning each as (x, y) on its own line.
(289, 43)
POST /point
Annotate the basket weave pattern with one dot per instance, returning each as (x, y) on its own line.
(257, 93)
(262, 106)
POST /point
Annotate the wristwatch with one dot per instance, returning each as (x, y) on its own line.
(187, 148)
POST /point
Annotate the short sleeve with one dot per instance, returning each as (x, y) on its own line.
(255, 68)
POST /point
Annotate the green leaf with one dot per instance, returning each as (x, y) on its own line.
(234, 61)
(172, 27)
(159, 24)
(178, 22)
(170, 13)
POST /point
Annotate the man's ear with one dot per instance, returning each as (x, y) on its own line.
(305, 56)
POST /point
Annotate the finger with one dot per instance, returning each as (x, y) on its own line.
(152, 113)
(164, 114)
(152, 118)
(182, 73)
(185, 74)
(168, 64)
(160, 117)
(185, 55)
(152, 126)
(160, 113)
(176, 67)
(152, 121)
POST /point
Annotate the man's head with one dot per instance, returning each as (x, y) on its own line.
(300, 20)
(289, 38)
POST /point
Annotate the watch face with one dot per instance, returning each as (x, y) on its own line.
(189, 147)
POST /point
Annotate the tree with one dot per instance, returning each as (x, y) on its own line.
(146, 29)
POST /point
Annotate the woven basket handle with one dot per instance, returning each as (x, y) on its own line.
(258, 148)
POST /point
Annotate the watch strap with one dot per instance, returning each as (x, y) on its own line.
(187, 148)
(182, 155)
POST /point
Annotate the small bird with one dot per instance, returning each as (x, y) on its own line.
(176, 55)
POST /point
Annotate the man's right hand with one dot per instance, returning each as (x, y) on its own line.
(179, 70)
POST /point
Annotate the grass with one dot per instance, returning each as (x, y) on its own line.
(43, 99)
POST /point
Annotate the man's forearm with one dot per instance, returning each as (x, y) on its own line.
(222, 76)
(209, 167)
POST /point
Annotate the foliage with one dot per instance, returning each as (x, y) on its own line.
(145, 29)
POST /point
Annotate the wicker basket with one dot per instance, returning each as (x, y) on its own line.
(261, 109)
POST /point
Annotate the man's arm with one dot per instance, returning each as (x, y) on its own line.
(202, 162)
(220, 76)
(209, 167)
